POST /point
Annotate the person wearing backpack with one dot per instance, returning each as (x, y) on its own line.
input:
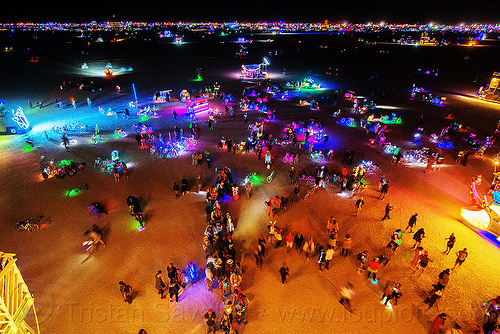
(418, 236)
(423, 263)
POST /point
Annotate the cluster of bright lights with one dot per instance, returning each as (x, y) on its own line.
(348, 121)
(394, 119)
(274, 26)
(421, 94)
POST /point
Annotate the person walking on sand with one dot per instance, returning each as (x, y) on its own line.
(65, 141)
(332, 225)
(125, 170)
(396, 239)
(395, 295)
(126, 291)
(384, 190)
(438, 322)
(451, 242)
(289, 241)
(361, 258)
(388, 209)
(418, 251)
(388, 289)
(346, 291)
(430, 163)
(418, 236)
(329, 224)
(175, 188)
(269, 207)
(208, 159)
(277, 204)
(210, 320)
(160, 284)
(296, 192)
(199, 182)
(359, 205)
(373, 269)
(422, 264)
(173, 290)
(228, 311)
(284, 272)
(346, 245)
(259, 257)
(184, 185)
(321, 257)
(278, 237)
(116, 173)
(433, 297)
(329, 256)
(332, 240)
(248, 189)
(291, 174)
(309, 248)
(412, 222)
(461, 256)
(284, 202)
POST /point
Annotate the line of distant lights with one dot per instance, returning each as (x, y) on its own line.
(282, 26)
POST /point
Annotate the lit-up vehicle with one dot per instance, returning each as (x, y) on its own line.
(481, 214)
(309, 83)
(9, 129)
(197, 105)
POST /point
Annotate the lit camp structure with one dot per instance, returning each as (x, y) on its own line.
(255, 71)
(426, 40)
(491, 92)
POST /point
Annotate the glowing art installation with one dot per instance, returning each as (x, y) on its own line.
(20, 118)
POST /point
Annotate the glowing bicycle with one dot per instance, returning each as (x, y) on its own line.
(70, 142)
(33, 224)
(291, 158)
(317, 157)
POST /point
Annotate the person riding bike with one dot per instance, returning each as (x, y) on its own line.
(95, 233)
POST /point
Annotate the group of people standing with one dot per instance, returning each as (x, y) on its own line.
(223, 273)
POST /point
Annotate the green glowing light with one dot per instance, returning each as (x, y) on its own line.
(255, 179)
(198, 78)
(28, 148)
(133, 225)
(390, 121)
(73, 192)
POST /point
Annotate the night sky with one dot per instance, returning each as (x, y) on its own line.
(390, 11)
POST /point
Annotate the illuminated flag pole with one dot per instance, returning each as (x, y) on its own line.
(135, 93)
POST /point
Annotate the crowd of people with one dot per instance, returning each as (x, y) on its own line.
(224, 273)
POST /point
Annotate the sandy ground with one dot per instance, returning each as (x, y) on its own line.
(76, 297)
